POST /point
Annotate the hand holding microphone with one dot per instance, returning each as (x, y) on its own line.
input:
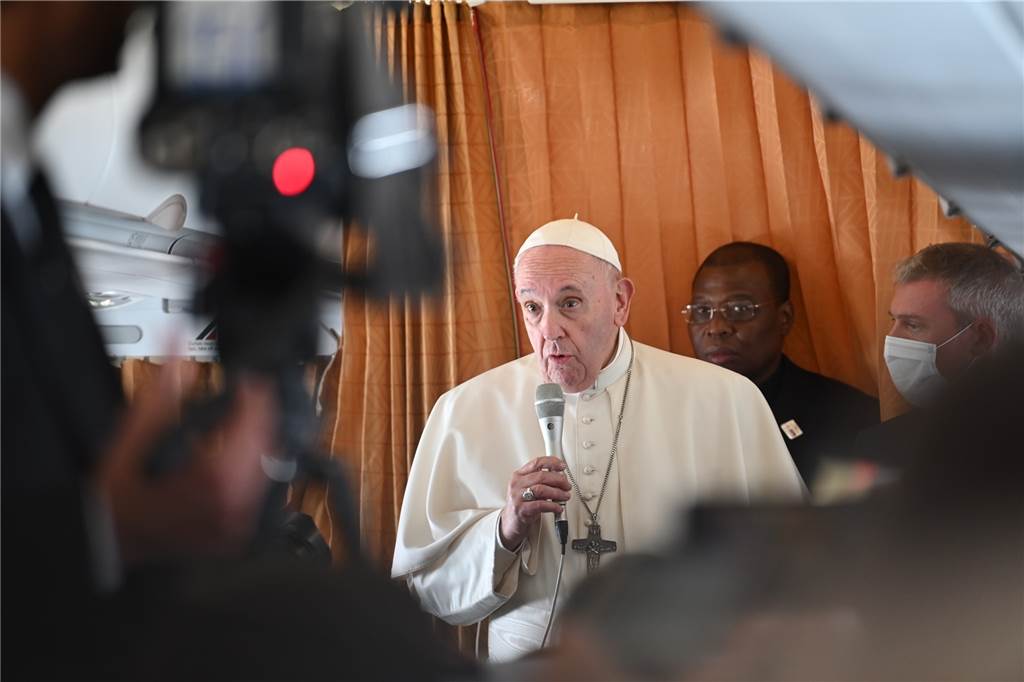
(548, 486)
(539, 486)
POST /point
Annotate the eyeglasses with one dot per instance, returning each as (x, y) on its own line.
(733, 311)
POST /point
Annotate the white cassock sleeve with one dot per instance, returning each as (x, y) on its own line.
(447, 548)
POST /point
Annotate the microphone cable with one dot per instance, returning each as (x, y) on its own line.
(562, 526)
(550, 406)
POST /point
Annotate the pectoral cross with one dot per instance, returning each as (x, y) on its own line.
(594, 545)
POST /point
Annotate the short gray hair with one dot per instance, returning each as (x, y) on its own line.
(981, 284)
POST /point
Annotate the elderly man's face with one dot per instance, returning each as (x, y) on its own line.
(753, 347)
(573, 305)
(920, 312)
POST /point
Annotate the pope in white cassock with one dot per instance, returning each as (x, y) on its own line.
(646, 432)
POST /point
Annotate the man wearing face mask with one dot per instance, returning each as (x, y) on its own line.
(953, 304)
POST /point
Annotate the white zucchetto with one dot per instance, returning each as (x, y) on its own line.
(575, 234)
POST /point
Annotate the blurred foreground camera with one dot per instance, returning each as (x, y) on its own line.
(293, 131)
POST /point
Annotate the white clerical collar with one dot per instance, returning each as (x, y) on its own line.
(614, 370)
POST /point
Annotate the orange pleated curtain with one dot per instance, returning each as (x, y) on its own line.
(192, 380)
(641, 120)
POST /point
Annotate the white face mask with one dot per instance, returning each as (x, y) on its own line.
(912, 367)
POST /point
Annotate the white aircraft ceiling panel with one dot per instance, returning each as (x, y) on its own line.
(939, 86)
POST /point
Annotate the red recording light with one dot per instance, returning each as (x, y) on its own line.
(293, 171)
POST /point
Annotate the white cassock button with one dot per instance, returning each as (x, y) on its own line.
(589, 469)
(588, 420)
(588, 496)
(585, 396)
(588, 444)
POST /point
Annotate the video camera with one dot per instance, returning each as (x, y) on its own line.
(294, 132)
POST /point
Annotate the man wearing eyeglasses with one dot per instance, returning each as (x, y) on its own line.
(738, 318)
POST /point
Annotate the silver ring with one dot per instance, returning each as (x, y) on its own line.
(528, 494)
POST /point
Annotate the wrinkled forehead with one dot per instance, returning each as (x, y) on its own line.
(749, 280)
(554, 267)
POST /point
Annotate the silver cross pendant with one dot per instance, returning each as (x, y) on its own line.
(594, 545)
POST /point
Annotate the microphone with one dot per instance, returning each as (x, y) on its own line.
(549, 402)
(550, 406)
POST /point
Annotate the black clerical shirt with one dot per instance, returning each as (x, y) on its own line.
(818, 416)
